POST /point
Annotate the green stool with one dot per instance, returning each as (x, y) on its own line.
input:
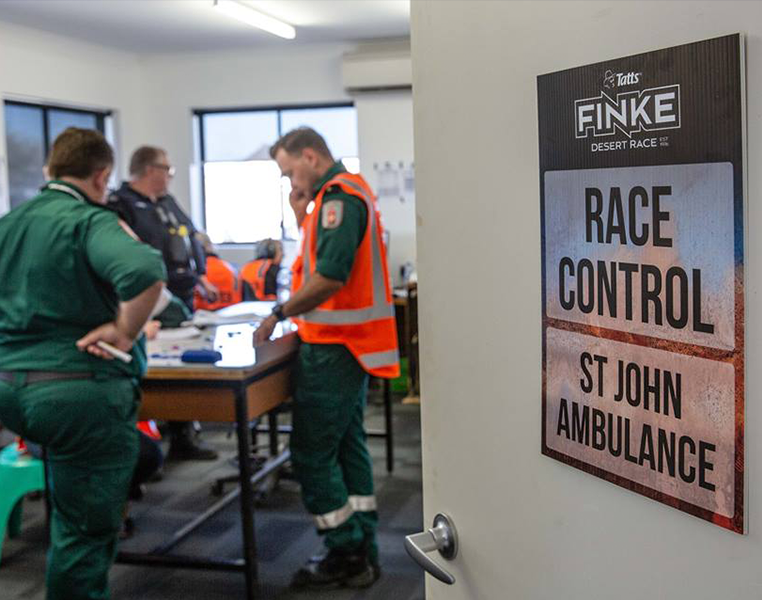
(19, 475)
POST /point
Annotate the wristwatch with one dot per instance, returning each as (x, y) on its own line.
(278, 312)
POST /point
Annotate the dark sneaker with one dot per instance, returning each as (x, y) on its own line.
(376, 568)
(365, 579)
(137, 491)
(184, 448)
(128, 529)
(335, 569)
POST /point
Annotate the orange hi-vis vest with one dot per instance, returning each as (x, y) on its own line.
(361, 314)
(223, 276)
(254, 273)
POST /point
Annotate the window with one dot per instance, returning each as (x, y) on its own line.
(30, 130)
(244, 197)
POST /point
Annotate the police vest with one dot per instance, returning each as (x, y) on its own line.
(223, 276)
(361, 314)
(254, 274)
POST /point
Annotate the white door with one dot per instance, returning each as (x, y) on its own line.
(531, 528)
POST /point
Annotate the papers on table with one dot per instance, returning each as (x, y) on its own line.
(206, 318)
(178, 333)
(245, 312)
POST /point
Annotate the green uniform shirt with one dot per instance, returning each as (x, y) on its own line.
(65, 264)
(336, 248)
(174, 314)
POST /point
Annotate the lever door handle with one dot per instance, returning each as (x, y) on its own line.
(442, 537)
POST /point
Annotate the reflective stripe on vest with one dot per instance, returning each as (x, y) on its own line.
(363, 503)
(331, 520)
(374, 360)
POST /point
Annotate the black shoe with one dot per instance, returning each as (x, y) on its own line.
(185, 448)
(316, 558)
(336, 569)
(137, 491)
(376, 568)
(128, 529)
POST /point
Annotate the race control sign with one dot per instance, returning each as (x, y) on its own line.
(642, 207)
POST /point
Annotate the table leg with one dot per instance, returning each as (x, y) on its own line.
(272, 423)
(389, 427)
(247, 493)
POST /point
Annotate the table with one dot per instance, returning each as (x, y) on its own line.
(246, 384)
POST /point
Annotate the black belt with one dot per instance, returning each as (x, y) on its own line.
(38, 376)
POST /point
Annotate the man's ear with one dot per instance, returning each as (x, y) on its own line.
(310, 156)
(100, 178)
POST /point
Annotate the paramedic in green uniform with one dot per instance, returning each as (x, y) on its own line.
(328, 444)
(70, 276)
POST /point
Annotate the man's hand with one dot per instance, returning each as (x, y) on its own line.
(299, 202)
(109, 333)
(151, 329)
(265, 330)
(210, 290)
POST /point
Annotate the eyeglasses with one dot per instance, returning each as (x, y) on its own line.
(168, 168)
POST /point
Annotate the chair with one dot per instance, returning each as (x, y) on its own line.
(19, 475)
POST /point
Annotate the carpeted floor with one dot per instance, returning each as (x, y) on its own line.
(284, 534)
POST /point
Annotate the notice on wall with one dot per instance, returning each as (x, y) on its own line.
(642, 204)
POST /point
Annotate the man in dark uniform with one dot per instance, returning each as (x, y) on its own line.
(157, 220)
(70, 279)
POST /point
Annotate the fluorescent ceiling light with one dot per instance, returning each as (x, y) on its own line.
(255, 18)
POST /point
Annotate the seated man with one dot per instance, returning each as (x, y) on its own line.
(259, 277)
(221, 274)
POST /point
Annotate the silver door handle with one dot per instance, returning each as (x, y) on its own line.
(443, 537)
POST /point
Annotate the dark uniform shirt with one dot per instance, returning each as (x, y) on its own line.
(163, 225)
(336, 249)
(65, 264)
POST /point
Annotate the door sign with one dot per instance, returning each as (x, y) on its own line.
(642, 204)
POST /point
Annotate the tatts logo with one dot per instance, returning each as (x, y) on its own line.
(652, 109)
(612, 80)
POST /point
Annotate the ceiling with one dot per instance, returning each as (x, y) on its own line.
(160, 26)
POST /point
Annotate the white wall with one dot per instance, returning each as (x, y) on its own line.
(180, 83)
(385, 125)
(39, 66)
(538, 529)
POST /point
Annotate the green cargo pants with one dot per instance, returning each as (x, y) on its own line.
(328, 447)
(88, 428)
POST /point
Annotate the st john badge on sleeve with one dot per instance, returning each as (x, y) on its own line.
(333, 212)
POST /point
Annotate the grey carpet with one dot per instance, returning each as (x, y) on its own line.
(284, 533)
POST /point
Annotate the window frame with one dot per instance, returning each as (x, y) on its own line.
(100, 116)
(200, 113)
(103, 116)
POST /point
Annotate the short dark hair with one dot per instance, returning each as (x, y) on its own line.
(144, 157)
(79, 153)
(300, 138)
